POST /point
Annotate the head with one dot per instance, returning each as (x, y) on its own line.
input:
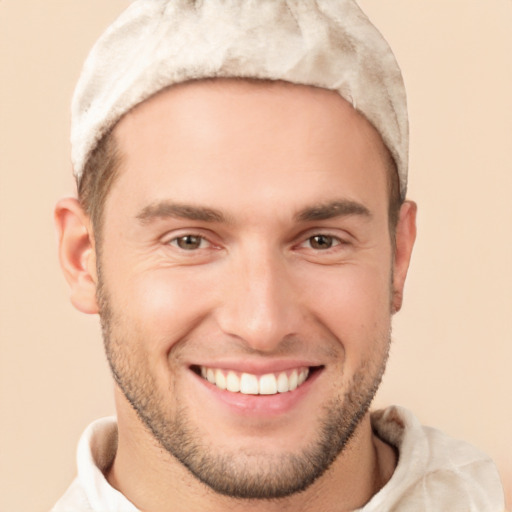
(254, 246)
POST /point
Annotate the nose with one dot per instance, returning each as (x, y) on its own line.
(260, 303)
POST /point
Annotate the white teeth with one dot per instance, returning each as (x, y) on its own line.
(220, 380)
(282, 383)
(268, 384)
(249, 384)
(233, 382)
(210, 375)
(293, 381)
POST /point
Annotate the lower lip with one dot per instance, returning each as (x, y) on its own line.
(260, 405)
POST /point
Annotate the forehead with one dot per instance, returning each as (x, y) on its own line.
(201, 139)
(232, 101)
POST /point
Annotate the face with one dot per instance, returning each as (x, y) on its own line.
(246, 279)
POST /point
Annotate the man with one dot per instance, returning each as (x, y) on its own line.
(242, 230)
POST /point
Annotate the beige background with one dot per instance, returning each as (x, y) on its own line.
(452, 356)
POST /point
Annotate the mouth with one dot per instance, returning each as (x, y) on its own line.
(252, 384)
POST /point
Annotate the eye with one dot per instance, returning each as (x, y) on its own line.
(189, 242)
(322, 242)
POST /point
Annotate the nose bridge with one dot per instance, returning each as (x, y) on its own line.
(259, 305)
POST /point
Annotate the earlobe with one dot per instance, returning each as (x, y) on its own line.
(405, 237)
(77, 254)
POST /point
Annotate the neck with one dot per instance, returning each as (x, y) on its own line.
(154, 480)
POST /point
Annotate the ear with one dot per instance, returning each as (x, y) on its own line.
(404, 242)
(77, 254)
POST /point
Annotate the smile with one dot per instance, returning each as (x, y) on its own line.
(250, 384)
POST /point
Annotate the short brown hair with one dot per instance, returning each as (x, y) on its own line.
(100, 172)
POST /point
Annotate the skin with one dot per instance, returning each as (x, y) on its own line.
(252, 163)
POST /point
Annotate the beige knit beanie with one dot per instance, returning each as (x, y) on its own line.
(157, 43)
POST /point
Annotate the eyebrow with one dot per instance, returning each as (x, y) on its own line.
(333, 209)
(330, 210)
(165, 209)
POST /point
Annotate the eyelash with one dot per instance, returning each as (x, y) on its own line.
(332, 241)
(201, 239)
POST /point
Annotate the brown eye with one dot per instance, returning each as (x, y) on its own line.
(322, 242)
(188, 242)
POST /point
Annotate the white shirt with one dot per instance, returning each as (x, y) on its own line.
(435, 473)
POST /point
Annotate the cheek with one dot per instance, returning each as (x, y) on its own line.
(353, 301)
(163, 305)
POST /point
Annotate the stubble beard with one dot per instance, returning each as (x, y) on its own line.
(242, 474)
